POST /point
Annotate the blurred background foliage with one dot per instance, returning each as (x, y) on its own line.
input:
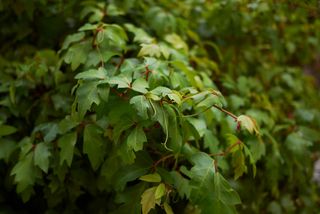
(263, 55)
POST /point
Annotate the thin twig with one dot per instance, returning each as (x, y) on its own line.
(162, 159)
(227, 112)
(227, 150)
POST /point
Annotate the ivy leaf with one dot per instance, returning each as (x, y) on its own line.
(136, 138)
(66, 124)
(141, 104)
(176, 97)
(123, 81)
(139, 34)
(140, 85)
(130, 199)
(155, 177)
(248, 123)
(93, 145)
(224, 192)
(131, 172)
(41, 156)
(181, 184)
(209, 101)
(76, 55)
(148, 200)
(152, 50)
(167, 208)
(161, 91)
(71, 39)
(7, 130)
(6, 148)
(160, 191)
(24, 173)
(66, 143)
(87, 27)
(92, 74)
(238, 162)
(116, 34)
(87, 94)
(297, 145)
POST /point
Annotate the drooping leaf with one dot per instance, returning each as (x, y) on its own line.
(7, 130)
(6, 148)
(248, 123)
(167, 208)
(133, 171)
(93, 145)
(224, 192)
(41, 156)
(66, 144)
(24, 173)
(87, 94)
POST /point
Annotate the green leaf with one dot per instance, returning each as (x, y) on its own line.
(176, 41)
(87, 27)
(93, 145)
(176, 97)
(142, 105)
(130, 199)
(136, 138)
(77, 55)
(92, 74)
(148, 200)
(224, 192)
(160, 191)
(66, 124)
(116, 34)
(66, 144)
(41, 156)
(167, 208)
(71, 39)
(248, 123)
(155, 177)
(7, 130)
(123, 81)
(139, 34)
(297, 145)
(24, 173)
(181, 184)
(238, 162)
(87, 94)
(209, 101)
(133, 171)
(152, 50)
(140, 85)
(6, 148)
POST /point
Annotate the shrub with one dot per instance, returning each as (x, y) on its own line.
(115, 107)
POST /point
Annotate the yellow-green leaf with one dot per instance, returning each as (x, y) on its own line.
(167, 208)
(248, 123)
(160, 191)
(155, 177)
(148, 200)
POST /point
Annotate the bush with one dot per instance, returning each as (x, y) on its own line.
(146, 106)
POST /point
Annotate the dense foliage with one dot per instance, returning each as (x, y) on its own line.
(159, 106)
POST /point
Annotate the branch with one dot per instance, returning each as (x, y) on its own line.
(227, 150)
(227, 112)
